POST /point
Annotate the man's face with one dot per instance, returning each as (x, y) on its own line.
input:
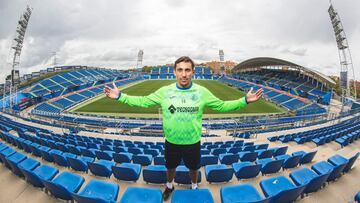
(183, 72)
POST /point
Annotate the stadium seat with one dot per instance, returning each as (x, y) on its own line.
(208, 160)
(13, 162)
(122, 157)
(5, 153)
(142, 159)
(246, 169)
(307, 157)
(80, 164)
(101, 168)
(199, 195)
(228, 158)
(289, 161)
(28, 164)
(182, 175)
(281, 189)
(64, 184)
(265, 154)
(127, 172)
(338, 160)
(144, 195)
(324, 167)
(61, 159)
(38, 175)
(155, 174)
(106, 155)
(280, 151)
(268, 165)
(159, 160)
(357, 197)
(248, 156)
(241, 193)
(309, 178)
(97, 191)
(48, 155)
(218, 173)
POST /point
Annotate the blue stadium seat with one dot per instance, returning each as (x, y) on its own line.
(127, 172)
(246, 169)
(338, 160)
(14, 160)
(101, 168)
(143, 195)
(289, 161)
(143, 159)
(28, 164)
(218, 173)
(97, 191)
(269, 165)
(241, 193)
(281, 189)
(248, 156)
(324, 167)
(307, 157)
(38, 175)
(122, 157)
(309, 178)
(182, 175)
(155, 174)
(199, 195)
(80, 164)
(61, 159)
(5, 153)
(64, 185)
(208, 160)
(228, 158)
(159, 160)
(106, 155)
(357, 197)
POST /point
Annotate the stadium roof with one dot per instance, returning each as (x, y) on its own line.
(268, 61)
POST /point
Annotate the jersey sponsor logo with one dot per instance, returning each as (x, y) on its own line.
(186, 109)
(172, 109)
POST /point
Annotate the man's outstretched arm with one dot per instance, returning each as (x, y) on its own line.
(225, 106)
(140, 101)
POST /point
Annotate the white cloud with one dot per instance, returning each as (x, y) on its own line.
(110, 33)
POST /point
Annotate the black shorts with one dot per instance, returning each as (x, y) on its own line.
(190, 154)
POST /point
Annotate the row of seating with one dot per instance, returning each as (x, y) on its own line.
(281, 189)
(66, 185)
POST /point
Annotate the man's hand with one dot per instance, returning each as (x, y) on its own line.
(112, 93)
(253, 97)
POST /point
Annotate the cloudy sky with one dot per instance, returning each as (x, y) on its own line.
(110, 33)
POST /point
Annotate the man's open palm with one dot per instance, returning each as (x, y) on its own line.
(253, 97)
(112, 93)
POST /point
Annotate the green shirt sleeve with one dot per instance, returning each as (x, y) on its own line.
(143, 101)
(223, 106)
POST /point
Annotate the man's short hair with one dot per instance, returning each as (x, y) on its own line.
(185, 59)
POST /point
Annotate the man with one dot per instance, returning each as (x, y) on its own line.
(182, 105)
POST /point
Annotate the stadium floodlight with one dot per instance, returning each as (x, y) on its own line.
(16, 47)
(139, 58)
(221, 56)
(344, 53)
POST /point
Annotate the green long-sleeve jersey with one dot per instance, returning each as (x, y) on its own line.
(182, 109)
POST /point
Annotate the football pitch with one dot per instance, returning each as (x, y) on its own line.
(105, 106)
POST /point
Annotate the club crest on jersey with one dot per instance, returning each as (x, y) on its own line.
(194, 97)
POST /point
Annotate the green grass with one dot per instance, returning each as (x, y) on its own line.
(220, 90)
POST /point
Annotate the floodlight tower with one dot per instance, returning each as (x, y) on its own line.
(344, 53)
(139, 58)
(221, 56)
(16, 47)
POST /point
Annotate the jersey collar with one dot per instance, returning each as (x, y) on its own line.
(184, 88)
